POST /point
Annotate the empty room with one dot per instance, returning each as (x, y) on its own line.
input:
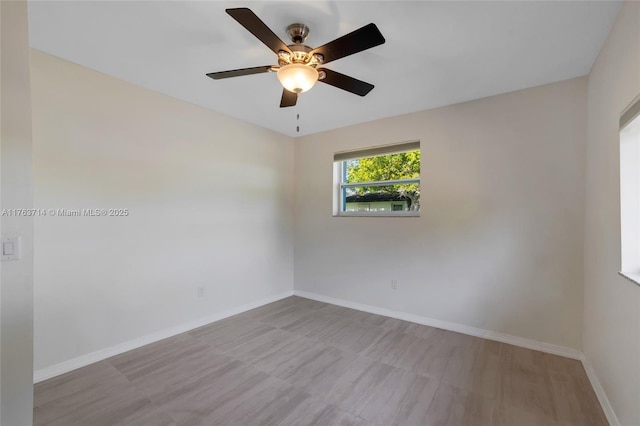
(320, 213)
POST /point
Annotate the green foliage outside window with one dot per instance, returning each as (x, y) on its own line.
(405, 165)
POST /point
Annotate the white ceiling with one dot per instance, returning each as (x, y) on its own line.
(436, 53)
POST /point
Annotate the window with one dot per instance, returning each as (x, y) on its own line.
(630, 191)
(378, 181)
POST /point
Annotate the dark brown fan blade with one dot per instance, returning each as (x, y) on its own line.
(361, 39)
(239, 72)
(345, 82)
(288, 98)
(255, 26)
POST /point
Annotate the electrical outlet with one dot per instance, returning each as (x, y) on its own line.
(394, 284)
(200, 291)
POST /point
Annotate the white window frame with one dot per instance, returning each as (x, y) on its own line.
(630, 192)
(339, 175)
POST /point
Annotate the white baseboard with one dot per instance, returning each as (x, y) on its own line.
(451, 326)
(90, 358)
(599, 390)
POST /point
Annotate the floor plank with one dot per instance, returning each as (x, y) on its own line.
(454, 406)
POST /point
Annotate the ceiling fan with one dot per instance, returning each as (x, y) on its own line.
(298, 63)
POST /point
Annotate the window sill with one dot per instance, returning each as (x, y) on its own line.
(377, 214)
(634, 278)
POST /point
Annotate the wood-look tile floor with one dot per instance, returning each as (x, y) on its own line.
(301, 362)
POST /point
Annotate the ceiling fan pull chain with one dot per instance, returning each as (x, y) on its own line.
(298, 123)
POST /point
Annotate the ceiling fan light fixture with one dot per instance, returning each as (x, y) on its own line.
(297, 62)
(297, 78)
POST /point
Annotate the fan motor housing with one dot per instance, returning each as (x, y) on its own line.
(298, 33)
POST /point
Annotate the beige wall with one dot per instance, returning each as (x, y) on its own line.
(498, 245)
(611, 303)
(16, 276)
(209, 200)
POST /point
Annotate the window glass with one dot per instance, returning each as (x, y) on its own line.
(387, 183)
(630, 199)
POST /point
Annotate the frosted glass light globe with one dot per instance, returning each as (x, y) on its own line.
(297, 78)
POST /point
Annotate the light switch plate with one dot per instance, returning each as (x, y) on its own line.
(10, 248)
